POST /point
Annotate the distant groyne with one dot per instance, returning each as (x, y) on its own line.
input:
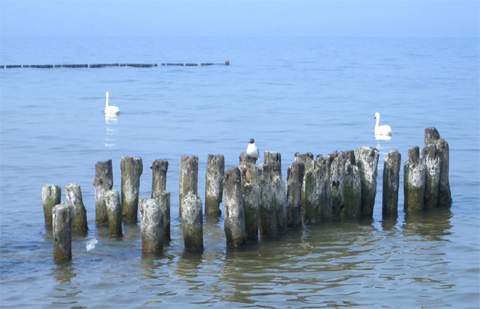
(112, 65)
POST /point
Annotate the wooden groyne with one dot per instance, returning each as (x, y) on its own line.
(258, 203)
(112, 65)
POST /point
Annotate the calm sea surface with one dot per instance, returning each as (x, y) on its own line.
(309, 94)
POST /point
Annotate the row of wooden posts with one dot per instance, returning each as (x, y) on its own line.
(258, 204)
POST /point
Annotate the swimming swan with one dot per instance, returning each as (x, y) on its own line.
(382, 132)
(110, 110)
(252, 150)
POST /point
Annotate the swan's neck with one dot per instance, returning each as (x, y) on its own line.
(377, 121)
(106, 99)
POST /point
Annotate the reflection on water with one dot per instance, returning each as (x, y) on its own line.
(64, 273)
(111, 128)
(432, 225)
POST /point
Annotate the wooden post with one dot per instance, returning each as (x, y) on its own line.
(102, 182)
(62, 216)
(250, 182)
(159, 177)
(432, 136)
(214, 184)
(337, 173)
(164, 201)
(51, 196)
(366, 159)
(308, 187)
(323, 187)
(234, 224)
(352, 192)
(414, 182)
(188, 178)
(267, 209)
(73, 195)
(445, 195)
(391, 184)
(114, 213)
(278, 187)
(432, 181)
(295, 175)
(131, 168)
(192, 223)
(151, 226)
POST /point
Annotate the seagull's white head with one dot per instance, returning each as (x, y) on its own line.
(377, 115)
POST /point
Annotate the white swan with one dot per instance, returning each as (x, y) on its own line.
(382, 132)
(110, 110)
(252, 150)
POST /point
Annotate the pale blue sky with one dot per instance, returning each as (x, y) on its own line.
(451, 18)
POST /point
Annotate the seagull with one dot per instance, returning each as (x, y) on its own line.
(382, 132)
(252, 150)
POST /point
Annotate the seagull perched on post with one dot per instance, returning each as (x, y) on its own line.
(252, 150)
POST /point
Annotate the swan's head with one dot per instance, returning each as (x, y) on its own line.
(252, 141)
(377, 115)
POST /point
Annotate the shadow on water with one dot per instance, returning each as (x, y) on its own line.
(432, 225)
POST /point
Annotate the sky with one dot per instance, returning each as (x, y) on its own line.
(356, 18)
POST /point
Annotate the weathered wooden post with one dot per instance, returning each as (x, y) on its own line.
(337, 172)
(214, 184)
(267, 209)
(445, 195)
(432, 136)
(432, 172)
(159, 177)
(131, 168)
(73, 195)
(192, 223)
(188, 178)
(234, 224)
(250, 182)
(164, 201)
(322, 205)
(114, 213)
(352, 192)
(308, 187)
(391, 184)
(62, 216)
(366, 159)
(279, 187)
(51, 196)
(102, 183)
(151, 226)
(295, 175)
(414, 181)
